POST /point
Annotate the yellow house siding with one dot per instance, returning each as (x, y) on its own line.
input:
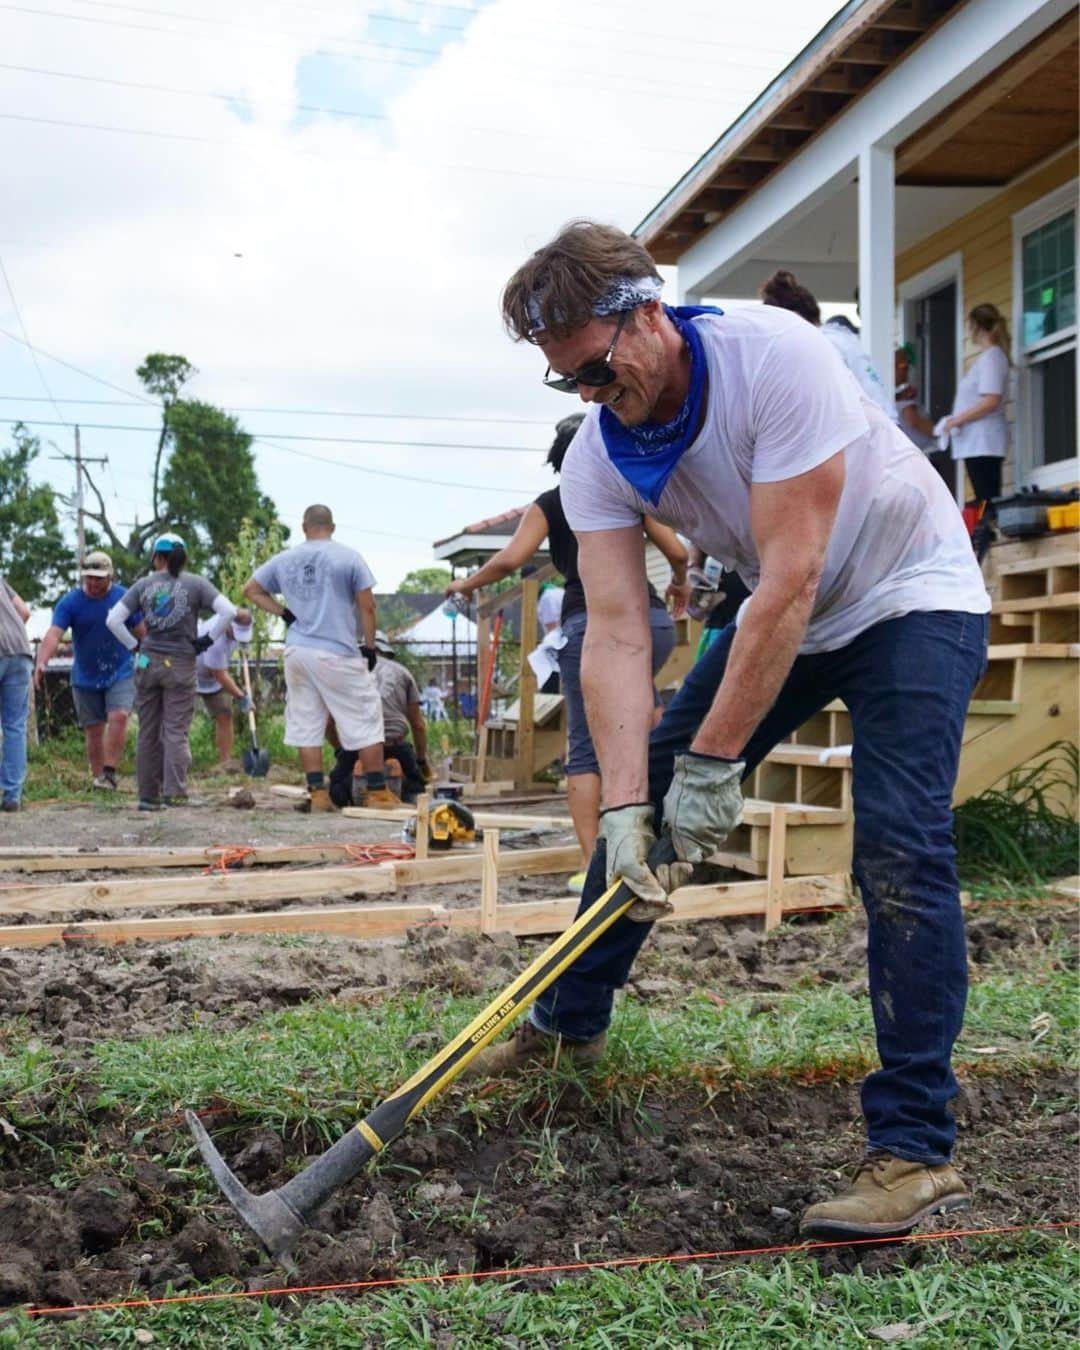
(984, 238)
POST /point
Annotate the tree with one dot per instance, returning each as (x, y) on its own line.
(252, 546)
(204, 479)
(34, 557)
(425, 580)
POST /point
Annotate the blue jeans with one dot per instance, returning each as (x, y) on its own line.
(14, 703)
(906, 683)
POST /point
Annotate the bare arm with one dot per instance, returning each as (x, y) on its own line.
(46, 652)
(616, 663)
(986, 405)
(528, 537)
(674, 550)
(415, 715)
(262, 599)
(775, 617)
(226, 681)
(365, 604)
(22, 609)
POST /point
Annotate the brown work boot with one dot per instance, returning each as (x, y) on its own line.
(381, 797)
(529, 1045)
(318, 799)
(888, 1198)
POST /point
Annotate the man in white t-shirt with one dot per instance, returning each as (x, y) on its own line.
(743, 432)
(216, 686)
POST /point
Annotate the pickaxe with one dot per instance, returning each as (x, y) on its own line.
(279, 1217)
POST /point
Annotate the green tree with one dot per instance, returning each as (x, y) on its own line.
(424, 580)
(34, 557)
(204, 479)
(251, 547)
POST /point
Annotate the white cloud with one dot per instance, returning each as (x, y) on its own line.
(373, 252)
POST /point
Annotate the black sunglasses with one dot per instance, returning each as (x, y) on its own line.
(593, 373)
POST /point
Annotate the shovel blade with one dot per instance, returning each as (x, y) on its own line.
(256, 763)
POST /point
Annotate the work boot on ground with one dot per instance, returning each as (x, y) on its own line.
(888, 1197)
(381, 797)
(529, 1045)
(318, 799)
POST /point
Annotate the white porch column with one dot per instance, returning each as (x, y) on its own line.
(877, 269)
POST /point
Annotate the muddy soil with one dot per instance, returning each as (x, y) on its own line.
(567, 1175)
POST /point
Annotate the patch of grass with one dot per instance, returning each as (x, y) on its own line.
(992, 1293)
(1023, 833)
(310, 1069)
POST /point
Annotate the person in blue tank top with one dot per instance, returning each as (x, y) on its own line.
(102, 672)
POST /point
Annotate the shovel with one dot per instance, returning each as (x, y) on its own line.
(256, 761)
(279, 1217)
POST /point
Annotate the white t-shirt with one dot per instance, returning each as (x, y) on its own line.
(988, 374)
(851, 353)
(216, 657)
(549, 606)
(778, 406)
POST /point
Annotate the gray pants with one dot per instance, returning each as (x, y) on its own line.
(164, 705)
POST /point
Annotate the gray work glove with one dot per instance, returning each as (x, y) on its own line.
(628, 833)
(702, 805)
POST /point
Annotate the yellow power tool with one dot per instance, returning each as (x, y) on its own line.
(449, 823)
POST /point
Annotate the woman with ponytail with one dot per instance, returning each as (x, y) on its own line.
(170, 599)
(977, 430)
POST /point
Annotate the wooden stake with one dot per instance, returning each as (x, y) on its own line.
(774, 899)
(525, 740)
(423, 810)
(489, 883)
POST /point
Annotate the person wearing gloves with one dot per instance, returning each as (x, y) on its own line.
(545, 519)
(326, 587)
(171, 600)
(217, 688)
(102, 672)
(863, 587)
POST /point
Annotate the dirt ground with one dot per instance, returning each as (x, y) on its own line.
(573, 1174)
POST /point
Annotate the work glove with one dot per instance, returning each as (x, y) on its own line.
(628, 833)
(243, 704)
(288, 616)
(425, 770)
(370, 655)
(703, 804)
(202, 644)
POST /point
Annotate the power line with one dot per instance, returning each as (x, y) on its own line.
(28, 344)
(143, 87)
(639, 81)
(302, 412)
(97, 379)
(293, 436)
(353, 159)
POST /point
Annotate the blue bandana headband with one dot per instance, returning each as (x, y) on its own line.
(623, 293)
(647, 455)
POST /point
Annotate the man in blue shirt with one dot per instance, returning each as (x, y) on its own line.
(102, 673)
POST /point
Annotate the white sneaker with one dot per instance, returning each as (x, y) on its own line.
(104, 784)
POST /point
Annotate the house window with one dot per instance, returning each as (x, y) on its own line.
(1046, 339)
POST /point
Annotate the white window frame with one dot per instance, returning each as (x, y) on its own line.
(946, 271)
(1026, 432)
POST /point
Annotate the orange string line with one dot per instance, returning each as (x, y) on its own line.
(515, 1272)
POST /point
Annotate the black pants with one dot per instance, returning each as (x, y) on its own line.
(985, 474)
(341, 775)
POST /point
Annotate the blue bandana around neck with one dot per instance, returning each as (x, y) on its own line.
(647, 455)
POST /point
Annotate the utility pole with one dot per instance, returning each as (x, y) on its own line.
(80, 512)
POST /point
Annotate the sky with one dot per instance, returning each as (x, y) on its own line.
(318, 205)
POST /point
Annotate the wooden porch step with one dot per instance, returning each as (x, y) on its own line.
(1032, 603)
(994, 707)
(759, 813)
(811, 756)
(1060, 558)
(1037, 651)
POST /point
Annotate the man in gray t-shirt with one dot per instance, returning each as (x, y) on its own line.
(325, 586)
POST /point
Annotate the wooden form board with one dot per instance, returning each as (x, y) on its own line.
(485, 820)
(71, 897)
(15, 859)
(350, 921)
(369, 922)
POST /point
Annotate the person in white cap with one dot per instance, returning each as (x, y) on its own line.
(217, 688)
(102, 671)
(170, 599)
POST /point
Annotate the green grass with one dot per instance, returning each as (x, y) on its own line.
(306, 1068)
(991, 1292)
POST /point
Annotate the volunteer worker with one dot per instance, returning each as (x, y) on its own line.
(977, 430)
(217, 688)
